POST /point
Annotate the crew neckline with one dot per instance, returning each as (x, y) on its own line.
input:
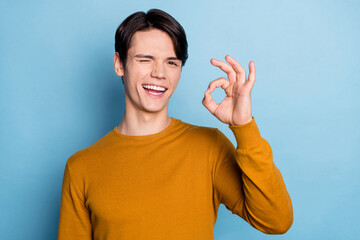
(149, 136)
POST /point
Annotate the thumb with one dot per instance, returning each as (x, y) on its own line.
(209, 103)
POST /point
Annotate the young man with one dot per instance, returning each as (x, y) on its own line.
(156, 177)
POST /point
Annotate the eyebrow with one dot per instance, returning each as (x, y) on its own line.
(152, 57)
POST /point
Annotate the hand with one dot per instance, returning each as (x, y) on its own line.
(235, 108)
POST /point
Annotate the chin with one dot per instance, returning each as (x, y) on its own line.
(154, 109)
(154, 106)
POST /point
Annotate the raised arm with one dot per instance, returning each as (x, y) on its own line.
(249, 184)
(246, 179)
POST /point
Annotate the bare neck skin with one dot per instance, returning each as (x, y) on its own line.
(139, 123)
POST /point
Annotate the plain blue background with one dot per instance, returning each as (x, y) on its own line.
(59, 94)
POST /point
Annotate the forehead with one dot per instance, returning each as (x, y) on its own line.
(152, 41)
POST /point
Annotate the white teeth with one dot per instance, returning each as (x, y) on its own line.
(154, 87)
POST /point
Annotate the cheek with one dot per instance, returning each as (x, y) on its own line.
(140, 73)
(135, 75)
(176, 79)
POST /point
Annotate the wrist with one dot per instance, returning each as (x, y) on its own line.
(241, 121)
(247, 135)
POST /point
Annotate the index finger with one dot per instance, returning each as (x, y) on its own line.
(226, 68)
(240, 72)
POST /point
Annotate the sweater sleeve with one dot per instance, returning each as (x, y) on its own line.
(249, 184)
(74, 220)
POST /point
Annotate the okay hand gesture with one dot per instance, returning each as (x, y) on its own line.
(235, 108)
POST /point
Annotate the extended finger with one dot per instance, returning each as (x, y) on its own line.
(251, 79)
(226, 68)
(240, 72)
(220, 82)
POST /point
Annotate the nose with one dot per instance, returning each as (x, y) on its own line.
(158, 71)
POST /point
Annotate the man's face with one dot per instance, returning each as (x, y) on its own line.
(152, 71)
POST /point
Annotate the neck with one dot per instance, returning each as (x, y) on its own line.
(143, 123)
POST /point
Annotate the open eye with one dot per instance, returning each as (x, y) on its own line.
(172, 63)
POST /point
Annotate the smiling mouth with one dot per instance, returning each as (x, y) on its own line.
(153, 89)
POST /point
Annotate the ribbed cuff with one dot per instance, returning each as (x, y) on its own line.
(247, 135)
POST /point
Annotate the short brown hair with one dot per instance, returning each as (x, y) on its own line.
(153, 19)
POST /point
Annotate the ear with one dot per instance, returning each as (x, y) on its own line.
(118, 66)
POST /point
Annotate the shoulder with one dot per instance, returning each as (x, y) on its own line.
(196, 129)
(201, 133)
(86, 157)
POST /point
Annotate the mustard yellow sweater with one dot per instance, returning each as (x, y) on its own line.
(169, 185)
